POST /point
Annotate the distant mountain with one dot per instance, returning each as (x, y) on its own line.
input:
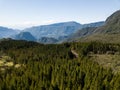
(86, 29)
(52, 33)
(47, 40)
(59, 31)
(24, 36)
(54, 30)
(110, 32)
(95, 24)
(7, 32)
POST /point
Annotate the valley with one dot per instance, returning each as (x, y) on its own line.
(62, 56)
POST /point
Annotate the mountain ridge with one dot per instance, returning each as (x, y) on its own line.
(109, 32)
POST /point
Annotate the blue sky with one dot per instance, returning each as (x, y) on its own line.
(25, 13)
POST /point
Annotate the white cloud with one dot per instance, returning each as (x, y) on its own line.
(25, 24)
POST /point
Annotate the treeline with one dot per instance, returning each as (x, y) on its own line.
(54, 67)
(96, 48)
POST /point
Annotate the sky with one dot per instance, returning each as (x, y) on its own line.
(20, 14)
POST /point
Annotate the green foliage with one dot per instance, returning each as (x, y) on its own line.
(53, 67)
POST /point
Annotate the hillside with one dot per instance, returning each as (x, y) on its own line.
(81, 33)
(110, 32)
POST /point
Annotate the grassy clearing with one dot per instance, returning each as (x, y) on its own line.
(108, 61)
(109, 38)
(6, 62)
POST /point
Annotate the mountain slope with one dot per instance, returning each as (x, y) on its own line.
(112, 24)
(81, 33)
(24, 36)
(110, 32)
(6, 32)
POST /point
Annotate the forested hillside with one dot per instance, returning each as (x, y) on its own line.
(56, 67)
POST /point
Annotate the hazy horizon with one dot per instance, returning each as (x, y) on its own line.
(26, 13)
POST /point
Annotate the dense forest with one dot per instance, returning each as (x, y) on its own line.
(56, 67)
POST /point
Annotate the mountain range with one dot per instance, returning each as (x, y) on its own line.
(47, 33)
(69, 31)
